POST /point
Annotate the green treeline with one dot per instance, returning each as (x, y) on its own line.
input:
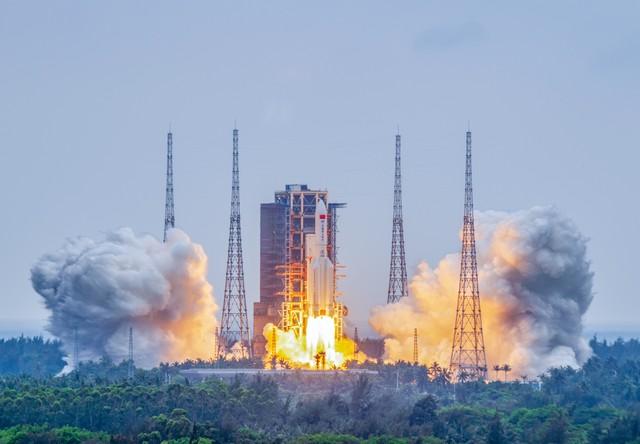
(597, 404)
(43, 434)
(31, 356)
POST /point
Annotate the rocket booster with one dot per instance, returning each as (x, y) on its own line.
(320, 269)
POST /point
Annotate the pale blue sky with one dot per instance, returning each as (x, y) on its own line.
(88, 91)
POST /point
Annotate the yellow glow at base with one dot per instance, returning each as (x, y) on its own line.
(306, 351)
(321, 338)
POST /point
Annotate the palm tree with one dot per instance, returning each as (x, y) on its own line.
(506, 368)
(497, 369)
(444, 377)
(463, 376)
(434, 371)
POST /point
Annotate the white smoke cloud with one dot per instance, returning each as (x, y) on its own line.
(535, 286)
(102, 287)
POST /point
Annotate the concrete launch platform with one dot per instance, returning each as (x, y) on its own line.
(203, 373)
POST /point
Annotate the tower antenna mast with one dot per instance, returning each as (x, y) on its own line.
(398, 269)
(468, 353)
(234, 322)
(76, 350)
(130, 363)
(415, 346)
(169, 217)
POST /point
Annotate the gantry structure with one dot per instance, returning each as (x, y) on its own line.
(299, 205)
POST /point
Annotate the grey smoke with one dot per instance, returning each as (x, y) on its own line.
(101, 287)
(535, 284)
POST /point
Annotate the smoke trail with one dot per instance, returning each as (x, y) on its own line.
(535, 286)
(101, 287)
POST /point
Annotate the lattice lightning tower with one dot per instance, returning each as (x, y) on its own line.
(169, 218)
(415, 346)
(468, 353)
(130, 362)
(76, 350)
(398, 269)
(234, 322)
(356, 344)
(216, 341)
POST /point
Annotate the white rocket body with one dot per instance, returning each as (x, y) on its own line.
(319, 267)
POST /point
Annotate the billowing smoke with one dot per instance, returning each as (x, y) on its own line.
(102, 287)
(535, 286)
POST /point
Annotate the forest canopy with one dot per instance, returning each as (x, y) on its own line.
(404, 403)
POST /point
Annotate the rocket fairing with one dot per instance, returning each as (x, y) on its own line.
(320, 269)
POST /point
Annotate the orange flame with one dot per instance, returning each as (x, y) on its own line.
(317, 349)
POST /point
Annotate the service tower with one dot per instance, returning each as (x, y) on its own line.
(288, 237)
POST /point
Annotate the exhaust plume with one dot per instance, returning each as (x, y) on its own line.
(101, 287)
(535, 286)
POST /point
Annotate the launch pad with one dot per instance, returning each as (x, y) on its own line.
(299, 318)
(199, 374)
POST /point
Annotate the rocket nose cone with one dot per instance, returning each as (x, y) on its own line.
(321, 208)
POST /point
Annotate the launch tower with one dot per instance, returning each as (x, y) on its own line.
(468, 353)
(169, 218)
(284, 226)
(234, 323)
(398, 269)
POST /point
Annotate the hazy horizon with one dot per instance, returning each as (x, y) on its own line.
(37, 327)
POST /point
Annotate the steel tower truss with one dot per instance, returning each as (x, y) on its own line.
(130, 361)
(415, 346)
(398, 269)
(468, 353)
(169, 218)
(300, 216)
(299, 220)
(234, 320)
(76, 350)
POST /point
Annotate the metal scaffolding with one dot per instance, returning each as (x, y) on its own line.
(299, 221)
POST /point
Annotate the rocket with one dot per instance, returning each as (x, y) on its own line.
(320, 269)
